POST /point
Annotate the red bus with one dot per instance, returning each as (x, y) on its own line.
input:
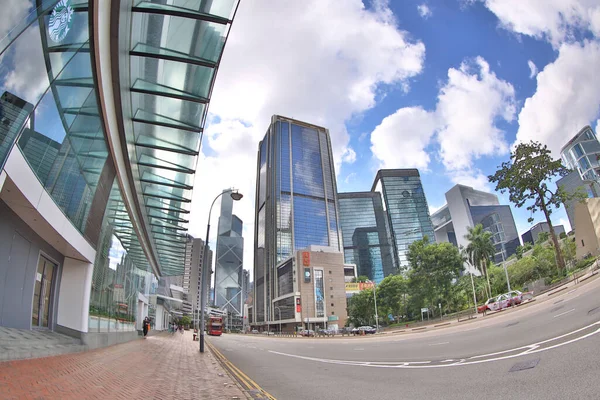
(215, 326)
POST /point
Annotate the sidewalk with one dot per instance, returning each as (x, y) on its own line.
(163, 366)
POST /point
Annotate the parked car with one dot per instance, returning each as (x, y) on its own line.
(254, 331)
(307, 333)
(367, 329)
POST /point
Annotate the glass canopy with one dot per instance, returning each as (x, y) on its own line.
(175, 51)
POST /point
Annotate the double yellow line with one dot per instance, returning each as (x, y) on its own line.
(245, 381)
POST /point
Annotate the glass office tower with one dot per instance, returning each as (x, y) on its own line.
(365, 234)
(296, 203)
(230, 260)
(406, 207)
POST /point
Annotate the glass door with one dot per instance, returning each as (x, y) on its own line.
(43, 293)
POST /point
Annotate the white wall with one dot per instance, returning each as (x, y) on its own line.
(74, 294)
(2, 179)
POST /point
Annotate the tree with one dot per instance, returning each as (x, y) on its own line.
(185, 320)
(480, 250)
(392, 295)
(525, 178)
(433, 268)
(519, 252)
(361, 308)
(361, 278)
(542, 237)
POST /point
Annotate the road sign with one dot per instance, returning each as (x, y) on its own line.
(424, 310)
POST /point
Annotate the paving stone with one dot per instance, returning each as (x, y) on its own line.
(162, 366)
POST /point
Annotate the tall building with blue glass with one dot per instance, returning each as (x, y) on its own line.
(296, 203)
(365, 234)
(406, 209)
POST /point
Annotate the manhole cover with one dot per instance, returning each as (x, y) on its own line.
(524, 365)
(556, 308)
(513, 324)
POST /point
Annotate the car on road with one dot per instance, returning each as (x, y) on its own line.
(367, 329)
(307, 333)
(505, 300)
(254, 331)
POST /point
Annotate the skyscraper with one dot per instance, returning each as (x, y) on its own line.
(581, 154)
(230, 260)
(467, 207)
(296, 203)
(365, 234)
(406, 207)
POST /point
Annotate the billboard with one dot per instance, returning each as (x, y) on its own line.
(358, 286)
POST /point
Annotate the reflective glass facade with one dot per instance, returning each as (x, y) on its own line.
(406, 208)
(230, 259)
(499, 221)
(365, 234)
(125, 187)
(297, 203)
(582, 154)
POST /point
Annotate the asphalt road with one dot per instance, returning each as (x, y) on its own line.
(557, 340)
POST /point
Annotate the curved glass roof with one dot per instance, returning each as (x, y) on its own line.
(174, 50)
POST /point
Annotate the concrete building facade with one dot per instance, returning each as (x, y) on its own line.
(531, 236)
(466, 207)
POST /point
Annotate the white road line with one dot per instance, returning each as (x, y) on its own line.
(359, 349)
(566, 312)
(438, 344)
(531, 349)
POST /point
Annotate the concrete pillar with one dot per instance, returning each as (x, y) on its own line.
(74, 295)
(2, 179)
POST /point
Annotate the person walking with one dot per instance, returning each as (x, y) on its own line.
(146, 326)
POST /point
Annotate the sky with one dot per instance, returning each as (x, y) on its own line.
(445, 86)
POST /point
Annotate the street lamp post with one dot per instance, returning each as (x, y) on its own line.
(279, 311)
(235, 195)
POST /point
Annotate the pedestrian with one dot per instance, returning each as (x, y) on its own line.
(146, 326)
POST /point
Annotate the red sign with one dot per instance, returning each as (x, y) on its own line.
(306, 258)
(298, 308)
(366, 285)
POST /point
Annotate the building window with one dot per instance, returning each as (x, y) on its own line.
(333, 313)
(319, 302)
(583, 244)
(332, 305)
(331, 296)
(329, 272)
(330, 287)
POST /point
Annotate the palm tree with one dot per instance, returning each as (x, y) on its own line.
(480, 250)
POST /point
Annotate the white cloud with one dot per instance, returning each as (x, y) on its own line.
(349, 156)
(27, 76)
(434, 209)
(597, 126)
(399, 141)
(350, 178)
(424, 10)
(13, 11)
(565, 222)
(471, 177)
(464, 122)
(532, 69)
(567, 97)
(305, 60)
(469, 105)
(553, 20)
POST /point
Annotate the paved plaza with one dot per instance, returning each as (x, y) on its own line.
(163, 366)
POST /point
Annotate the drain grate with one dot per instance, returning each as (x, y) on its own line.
(525, 365)
(513, 324)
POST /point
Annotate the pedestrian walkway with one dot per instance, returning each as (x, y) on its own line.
(163, 366)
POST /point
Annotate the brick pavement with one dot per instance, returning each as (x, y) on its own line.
(163, 366)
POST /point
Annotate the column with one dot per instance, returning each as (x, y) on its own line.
(74, 295)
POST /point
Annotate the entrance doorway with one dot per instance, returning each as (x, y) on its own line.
(43, 293)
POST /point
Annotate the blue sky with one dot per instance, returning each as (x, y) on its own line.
(446, 86)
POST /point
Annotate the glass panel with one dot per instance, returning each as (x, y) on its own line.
(319, 293)
(196, 7)
(168, 111)
(310, 223)
(167, 138)
(48, 279)
(306, 160)
(37, 293)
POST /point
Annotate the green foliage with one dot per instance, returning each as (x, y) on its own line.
(525, 178)
(586, 262)
(361, 308)
(185, 320)
(480, 250)
(433, 268)
(361, 278)
(562, 235)
(569, 250)
(519, 252)
(392, 296)
(542, 237)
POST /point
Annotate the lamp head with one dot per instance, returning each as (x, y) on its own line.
(236, 195)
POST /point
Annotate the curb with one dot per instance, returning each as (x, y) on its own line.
(247, 385)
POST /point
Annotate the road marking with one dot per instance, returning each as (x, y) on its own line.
(438, 344)
(359, 349)
(571, 291)
(566, 312)
(528, 350)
